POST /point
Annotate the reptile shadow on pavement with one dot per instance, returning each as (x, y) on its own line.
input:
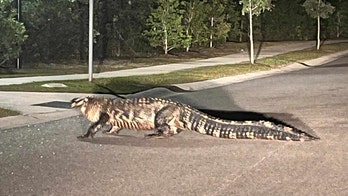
(142, 88)
(54, 104)
(123, 139)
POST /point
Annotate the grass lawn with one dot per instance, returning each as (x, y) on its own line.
(133, 84)
(6, 112)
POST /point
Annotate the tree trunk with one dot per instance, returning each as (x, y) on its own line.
(189, 21)
(103, 37)
(252, 60)
(211, 32)
(318, 33)
(82, 28)
(338, 33)
(188, 45)
(241, 30)
(118, 48)
(165, 40)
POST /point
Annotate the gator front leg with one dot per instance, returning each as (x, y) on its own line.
(95, 127)
(91, 131)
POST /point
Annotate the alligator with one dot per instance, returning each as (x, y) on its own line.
(168, 118)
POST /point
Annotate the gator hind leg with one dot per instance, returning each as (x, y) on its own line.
(167, 122)
(114, 130)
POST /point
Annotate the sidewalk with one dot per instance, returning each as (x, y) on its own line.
(160, 69)
(40, 107)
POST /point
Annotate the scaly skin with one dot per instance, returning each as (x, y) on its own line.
(168, 118)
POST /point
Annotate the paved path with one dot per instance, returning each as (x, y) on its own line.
(159, 69)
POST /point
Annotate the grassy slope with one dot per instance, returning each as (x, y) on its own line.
(6, 112)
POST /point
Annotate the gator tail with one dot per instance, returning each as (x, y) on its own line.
(208, 125)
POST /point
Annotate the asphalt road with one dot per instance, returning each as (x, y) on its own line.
(47, 159)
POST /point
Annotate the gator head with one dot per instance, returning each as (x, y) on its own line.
(79, 102)
(90, 107)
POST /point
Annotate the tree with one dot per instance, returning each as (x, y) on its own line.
(12, 32)
(318, 9)
(194, 22)
(218, 27)
(53, 28)
(166, 29)
(340, 19)
(295, 23)
(58, 30)
(193, 11)
(235, 20)
(120, 25)
(254, 7)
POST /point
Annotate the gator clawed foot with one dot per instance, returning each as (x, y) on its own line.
(87, 135)
(155, 135)
(110, 133)
(82, 136)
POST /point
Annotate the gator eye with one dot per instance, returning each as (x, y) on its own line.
(75, 100)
